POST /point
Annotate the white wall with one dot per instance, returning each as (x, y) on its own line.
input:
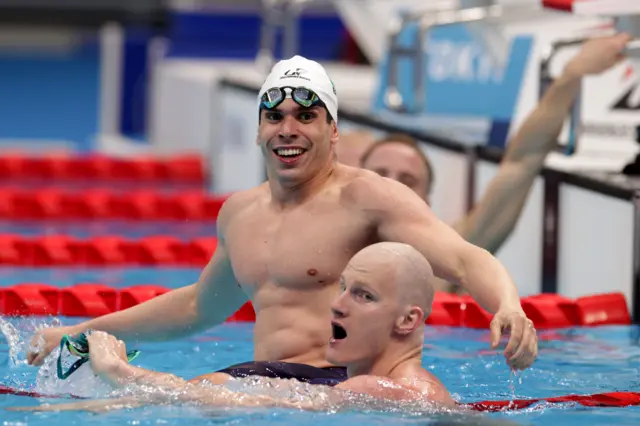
(237, 160)
(596, 243)
(449, 194)
(522, 252)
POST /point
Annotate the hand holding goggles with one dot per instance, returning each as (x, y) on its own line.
(79, 347)
(301, 95)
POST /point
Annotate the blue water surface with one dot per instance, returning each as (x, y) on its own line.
(183, 230)
(580, 361)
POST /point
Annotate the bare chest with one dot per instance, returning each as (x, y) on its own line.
(298, 250)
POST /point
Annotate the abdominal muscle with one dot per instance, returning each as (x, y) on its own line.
(293, 325)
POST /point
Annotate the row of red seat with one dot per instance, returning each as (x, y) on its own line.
(105, 204)
(60, 250)
(183, 169)
(547, 311)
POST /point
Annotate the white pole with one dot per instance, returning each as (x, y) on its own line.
(111, 61)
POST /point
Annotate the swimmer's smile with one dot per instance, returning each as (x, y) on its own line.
(338, 332)
(289, 154)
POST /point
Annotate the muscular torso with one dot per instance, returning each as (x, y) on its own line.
(289, 262)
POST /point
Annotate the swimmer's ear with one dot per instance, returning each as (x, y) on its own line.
(412, 319)
(335, 135)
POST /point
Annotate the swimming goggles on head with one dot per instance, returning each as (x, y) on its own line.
(79, 346)
(301, 95)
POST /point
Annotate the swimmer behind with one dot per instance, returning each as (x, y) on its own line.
(378, 322)
(493, 218)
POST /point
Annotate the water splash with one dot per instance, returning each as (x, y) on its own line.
(19, 337)
(20, 341)
(512, 385)
(83, 382)
(12, 335)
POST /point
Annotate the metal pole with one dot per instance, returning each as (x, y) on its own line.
(550, 214)
(635, 292)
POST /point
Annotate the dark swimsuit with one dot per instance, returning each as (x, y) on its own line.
(329, 376)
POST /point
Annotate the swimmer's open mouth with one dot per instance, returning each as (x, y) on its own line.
(339, 332)
(289, 152)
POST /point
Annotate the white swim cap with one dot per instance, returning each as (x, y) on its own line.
(302, 72)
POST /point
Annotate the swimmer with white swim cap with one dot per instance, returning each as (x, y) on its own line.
(284, 244)
(378, 322)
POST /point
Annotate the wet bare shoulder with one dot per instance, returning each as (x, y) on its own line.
(238, 202)
(367, 190)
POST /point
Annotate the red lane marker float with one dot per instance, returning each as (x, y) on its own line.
(30, 299)
(610, 399)
(7, 390)
(51, 203)
(90, 299)
(61, 250)
(185, 169)
(138, 294)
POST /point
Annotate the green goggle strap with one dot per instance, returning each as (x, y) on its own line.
(81, 340)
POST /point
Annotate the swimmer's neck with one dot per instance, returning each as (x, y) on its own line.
(388, 363)
(289, 192)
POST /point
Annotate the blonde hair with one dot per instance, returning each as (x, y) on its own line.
(403, 139)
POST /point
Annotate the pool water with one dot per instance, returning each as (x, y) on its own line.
(579, 361)
(116, 277)
(187, 230)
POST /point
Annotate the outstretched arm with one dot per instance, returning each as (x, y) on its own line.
(399, 215)
(210, 301)
(493, 218)
(108, 357)
(385, 389)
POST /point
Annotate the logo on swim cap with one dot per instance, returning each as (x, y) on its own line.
(295, 73)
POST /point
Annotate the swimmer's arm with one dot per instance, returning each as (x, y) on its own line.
(493, 218)
(188, 310)
(399, 215)
(169, 388)
(384, 388)
(119, 373)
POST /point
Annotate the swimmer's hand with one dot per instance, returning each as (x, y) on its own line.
(107, 355)
(522, 349)
(45, 341)
(598, 55)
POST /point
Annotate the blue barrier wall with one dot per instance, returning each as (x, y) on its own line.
(57, 96)
(50, 97)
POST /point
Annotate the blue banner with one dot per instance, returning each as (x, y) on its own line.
(460, 78)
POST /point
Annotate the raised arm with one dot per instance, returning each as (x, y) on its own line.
(208, 302)
(398, 214)
(493, 218)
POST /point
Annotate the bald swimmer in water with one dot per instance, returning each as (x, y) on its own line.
(378, 322)
(283, 245)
